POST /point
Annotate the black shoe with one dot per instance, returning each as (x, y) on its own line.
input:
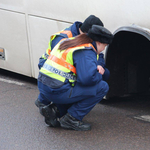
(39, 105)
(51, 113)
(70, 122)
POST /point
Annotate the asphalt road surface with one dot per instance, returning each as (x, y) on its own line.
(118, 124)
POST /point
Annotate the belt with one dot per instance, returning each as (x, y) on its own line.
(59, 72)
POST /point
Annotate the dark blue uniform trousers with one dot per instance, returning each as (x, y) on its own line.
(78, 101)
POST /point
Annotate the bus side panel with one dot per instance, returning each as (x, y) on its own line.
(40, 31)
(13, 38)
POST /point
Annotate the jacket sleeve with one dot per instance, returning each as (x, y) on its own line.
(106, 74)
(41, 62)
(85, 62)
(101, 62)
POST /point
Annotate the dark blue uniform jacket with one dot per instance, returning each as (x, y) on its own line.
(88, 77)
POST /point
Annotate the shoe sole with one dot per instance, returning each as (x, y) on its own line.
(68, 127)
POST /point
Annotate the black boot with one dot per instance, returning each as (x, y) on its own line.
(51, 114)
(70, 122)
(39, 105)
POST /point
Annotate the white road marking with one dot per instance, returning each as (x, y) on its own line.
(143, 117)
(10, 81)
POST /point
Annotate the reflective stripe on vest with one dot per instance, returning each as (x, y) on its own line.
(62, 61)
(59, 72)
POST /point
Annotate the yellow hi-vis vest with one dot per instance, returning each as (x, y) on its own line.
(66, 33)
(59, 64)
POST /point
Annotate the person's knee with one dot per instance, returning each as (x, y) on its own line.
(106, 88)
(103, 87)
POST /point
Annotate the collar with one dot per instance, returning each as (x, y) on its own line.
(75, 28)
(94, 44)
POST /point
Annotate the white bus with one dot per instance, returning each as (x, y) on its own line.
(26, 26)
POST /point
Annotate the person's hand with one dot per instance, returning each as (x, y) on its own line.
(100, 69)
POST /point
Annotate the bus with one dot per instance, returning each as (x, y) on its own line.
(26, 27)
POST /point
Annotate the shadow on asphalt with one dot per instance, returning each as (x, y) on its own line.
(141, 103)
(12, 75)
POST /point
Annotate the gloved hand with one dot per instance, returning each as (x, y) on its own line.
(101, 60)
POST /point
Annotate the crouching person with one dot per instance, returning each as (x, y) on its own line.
(72, 79)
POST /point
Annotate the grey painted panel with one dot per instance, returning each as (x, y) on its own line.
(14, 40)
